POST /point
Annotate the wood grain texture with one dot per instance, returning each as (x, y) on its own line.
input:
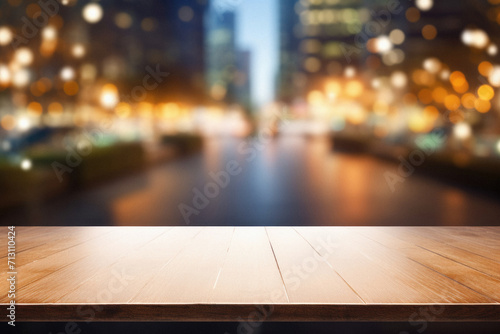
(261, 273)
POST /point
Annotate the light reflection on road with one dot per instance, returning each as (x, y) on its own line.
(291, 181)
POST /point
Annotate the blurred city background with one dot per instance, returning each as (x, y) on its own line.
(250, 112)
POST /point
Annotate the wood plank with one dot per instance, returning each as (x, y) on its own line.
(488, 249)
(250, 273)
(77, 273)
(480, 263)
(229, 273)
(138, 267)
(429, 284)
(58, 260)
(365, 276)
(197, 266)
(304, 270)
(470, 277)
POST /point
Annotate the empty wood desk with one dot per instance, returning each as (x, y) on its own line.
(260, 273)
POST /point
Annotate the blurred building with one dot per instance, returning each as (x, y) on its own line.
(227, 67)
(242, 78)
(312, 37)
(137, 34)
(220, 54)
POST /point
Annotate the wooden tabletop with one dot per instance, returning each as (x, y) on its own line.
(259, 273)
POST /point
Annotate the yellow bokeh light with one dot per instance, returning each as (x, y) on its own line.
(71, 88)
(171, 110)
(109, 96)
(456, 77)
(315, 97)
(486, 92)
(55, 108)
(425, 96)
(354, 88)
(462, 88)
(482, 106)
(333, 88)
(8, 122)
(439, 94)
(35, 108)
(380, 107)
(123, 109)
(468, 100)
(418, 124)
(485, 68)
(459, 82)
(431, 113)
(452, 102)
(356, 116)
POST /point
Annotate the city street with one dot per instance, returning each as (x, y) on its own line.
(287, 181)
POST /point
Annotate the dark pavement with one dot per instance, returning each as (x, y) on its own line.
(288, 181)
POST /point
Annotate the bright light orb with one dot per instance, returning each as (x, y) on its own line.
(432, 65)
(78, 51)
(26, 164)
(67, 73)
(5, 75)
(109, 96)
(494, 76)
(5, 35)
(23, 123)
(492, 50)
(92, 13)
(21, 78)
(498, 146)
(399, 79)
(349, 72)
(49, 33)
(476, 38)
(383, 44)
(462, 131)
(23, 56)
(424, 5)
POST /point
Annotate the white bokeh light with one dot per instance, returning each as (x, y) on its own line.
(383, 44)
(432, 65)
(5, 75)
(349, 71)
(21, 78)
(26, 164)
(67, 73)
(462, 131)
(424, 5)
(78, 51)
(49, 33)
(494, 76)
(92, 13)
(5, 35)
(23, 56)
(399, 79)
(492, 50)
